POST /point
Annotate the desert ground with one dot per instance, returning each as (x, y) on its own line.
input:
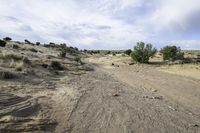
(99, 94)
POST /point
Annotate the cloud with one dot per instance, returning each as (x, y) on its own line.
(105, 24)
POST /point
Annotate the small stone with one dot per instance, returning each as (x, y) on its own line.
(172, 108)
(132, 63)
(196, 125)
(115, 95)
(154, 90)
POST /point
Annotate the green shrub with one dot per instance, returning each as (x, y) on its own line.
(128, 52)
(108, 52)
(70, 50)
(187, 60)
(63, 45)
(142, 52)
(2, 43)
(62, 53)
(37, 43)
(172, 53)
(56, 65)
(78, 59)
(15, 46)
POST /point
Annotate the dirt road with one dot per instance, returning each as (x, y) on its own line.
(110, 99)
(113, 101)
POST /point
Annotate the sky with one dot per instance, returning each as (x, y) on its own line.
(103, 24)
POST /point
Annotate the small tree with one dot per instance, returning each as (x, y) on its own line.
(37, 43)
(27, 41)
(63, 45)
(7, 39)
(63, 53)
(172, 53)
(128, 52)
(142, 52)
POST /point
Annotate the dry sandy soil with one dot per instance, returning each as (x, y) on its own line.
(118, 98)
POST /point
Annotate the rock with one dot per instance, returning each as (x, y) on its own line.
(172, 108)
(132, 63)
(196, 125)
(154, 90)
(116, 95)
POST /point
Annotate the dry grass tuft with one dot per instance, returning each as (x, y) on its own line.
(19, 66)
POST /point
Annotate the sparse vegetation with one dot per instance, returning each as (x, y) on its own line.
(43, 76)
(142, 52)
(10, 55)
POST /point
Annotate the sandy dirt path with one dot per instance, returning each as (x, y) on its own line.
(185, 91)
(101, 102)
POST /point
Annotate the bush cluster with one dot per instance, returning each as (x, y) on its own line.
(128, 52)
(172, 53)
(142, 52)
(7, 39)
(56, 65)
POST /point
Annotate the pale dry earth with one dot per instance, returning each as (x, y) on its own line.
(123, 98)
(119, 98)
